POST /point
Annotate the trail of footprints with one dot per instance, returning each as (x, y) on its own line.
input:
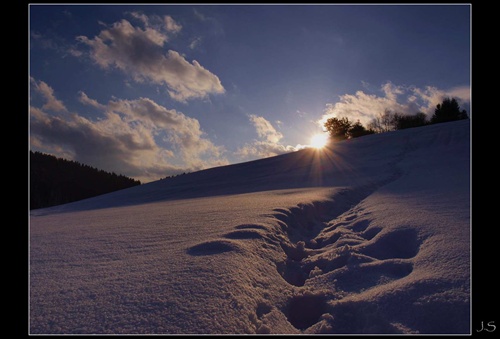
(345, 253)
(332, 243)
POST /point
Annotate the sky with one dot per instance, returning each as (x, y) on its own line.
(151, 91)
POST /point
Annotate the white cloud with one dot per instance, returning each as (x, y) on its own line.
(157, 23)
(263, 149)
(401, 99)
(171, 25)
(269, 144)
(84, 99)
(139, 53)
(47, 92)
(74, 52)
(265, 129)
(183, 132)
(140, 16)
(462, 93)
(392, 91)
(195, 43)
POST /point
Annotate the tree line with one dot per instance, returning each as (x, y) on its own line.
(343, 128)
(55, 181)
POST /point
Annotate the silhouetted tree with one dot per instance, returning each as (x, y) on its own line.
(448, 110)
(358, 130)
(338, 128)
(383, 122)
(409, 121)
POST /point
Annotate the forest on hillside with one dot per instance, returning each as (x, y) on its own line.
(341, 128)
(56, 181)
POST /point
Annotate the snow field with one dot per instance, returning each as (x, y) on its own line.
(371, 237)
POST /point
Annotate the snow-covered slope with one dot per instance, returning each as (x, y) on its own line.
(370, 236)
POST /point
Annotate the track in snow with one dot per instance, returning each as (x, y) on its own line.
(339, 247)
(330, 240)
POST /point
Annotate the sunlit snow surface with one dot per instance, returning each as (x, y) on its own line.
(369, 236)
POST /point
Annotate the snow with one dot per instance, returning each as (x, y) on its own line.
(369, 236)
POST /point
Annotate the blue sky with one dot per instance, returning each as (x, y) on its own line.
(158, 90)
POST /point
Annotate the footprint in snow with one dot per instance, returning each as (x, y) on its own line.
(213, 247)
(305, 310)
(244, 234)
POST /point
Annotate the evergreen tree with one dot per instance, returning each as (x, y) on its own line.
(55, 181)
(448, 110)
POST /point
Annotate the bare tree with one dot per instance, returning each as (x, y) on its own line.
(383, 122)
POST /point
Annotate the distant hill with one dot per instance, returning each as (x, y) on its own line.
(55, 181)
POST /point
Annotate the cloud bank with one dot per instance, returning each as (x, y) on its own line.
(137, 138)
(401, 99)
(139, 52)
(269, 143)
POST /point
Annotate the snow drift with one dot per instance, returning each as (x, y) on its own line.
(369, 236)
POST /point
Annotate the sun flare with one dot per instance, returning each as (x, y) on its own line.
(319, 141)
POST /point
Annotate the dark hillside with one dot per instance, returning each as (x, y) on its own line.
(55, 181)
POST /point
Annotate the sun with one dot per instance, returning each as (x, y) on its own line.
(319, 141)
